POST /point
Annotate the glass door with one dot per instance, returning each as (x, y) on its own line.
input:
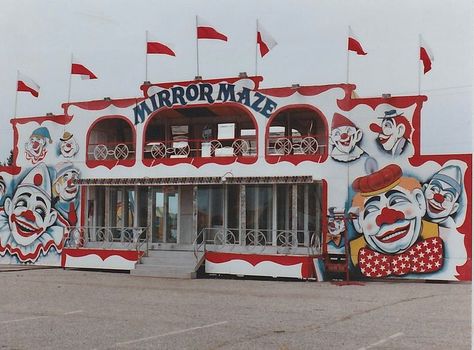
(165, 214)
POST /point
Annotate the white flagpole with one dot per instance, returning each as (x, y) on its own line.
(347, 58)
(197, 47)
(419, 64)
(70, 80)
(146, 55)
(256, 51)
(16, 92)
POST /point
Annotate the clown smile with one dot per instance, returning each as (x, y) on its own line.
(384, 138)
(24, 228)
(345, 143)
(394, 235)
(71, 190)
(435, 207)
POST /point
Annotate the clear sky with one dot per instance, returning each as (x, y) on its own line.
(108, 36)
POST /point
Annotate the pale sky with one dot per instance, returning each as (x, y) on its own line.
(108, 36)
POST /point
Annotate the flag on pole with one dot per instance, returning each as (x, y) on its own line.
(157, 48)
(353, 44)
(264, 40)
(426, 56)
(79, 69)
(206, 31)
(27, 84)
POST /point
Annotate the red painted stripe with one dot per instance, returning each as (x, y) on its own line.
(131, 255)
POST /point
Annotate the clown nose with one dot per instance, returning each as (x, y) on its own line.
(28, 215)
(438, 198)
(344, 136)
(389, 216)
(375, 128)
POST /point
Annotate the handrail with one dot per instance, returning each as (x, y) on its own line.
(257, 241)
(129, 238)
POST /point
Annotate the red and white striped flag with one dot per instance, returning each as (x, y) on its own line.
(26, 84)
(426, 56)
(154, 47)
(206, 31)
(353, 44)
(264, 40)
(79, 69)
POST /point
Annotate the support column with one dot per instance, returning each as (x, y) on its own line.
(294, 212)
(243, 218)
(195, 211)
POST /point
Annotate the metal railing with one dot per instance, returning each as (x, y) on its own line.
(257, 241)
(129, 238)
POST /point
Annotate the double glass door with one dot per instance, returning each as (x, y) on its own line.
(165, 218)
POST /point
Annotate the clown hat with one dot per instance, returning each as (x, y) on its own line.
(42, 132)
(378, 182)
(38, 178)
(64, 167)
(339, 120)
(452, 175)
(66, 136)
(390, 114)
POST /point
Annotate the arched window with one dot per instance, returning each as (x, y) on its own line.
(297, 133)
(111, 139)
(211, 134)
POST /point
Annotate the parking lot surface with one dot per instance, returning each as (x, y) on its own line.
(72, 309)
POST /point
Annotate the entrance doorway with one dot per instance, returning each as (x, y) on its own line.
(165, 218)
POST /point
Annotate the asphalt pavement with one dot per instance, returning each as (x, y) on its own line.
(74, 309)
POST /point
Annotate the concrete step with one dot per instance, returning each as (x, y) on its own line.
(169, 264)
(163, 273)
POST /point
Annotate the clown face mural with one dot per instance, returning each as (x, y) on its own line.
(390, 210)
(393, 132)
(344, 139)
(36, 147)
(65, 190)
(442, 194)
(336, 229)
(29, 226)
(68, 145)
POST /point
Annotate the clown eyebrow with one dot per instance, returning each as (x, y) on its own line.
(389, 193)
(41, 199)
(449, 189)
(373, 199)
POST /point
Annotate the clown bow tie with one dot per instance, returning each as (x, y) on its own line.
(423, 257)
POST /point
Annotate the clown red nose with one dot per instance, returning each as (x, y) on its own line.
(438, 197)
(389, 216)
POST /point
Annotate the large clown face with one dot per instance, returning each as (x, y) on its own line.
(441, 199)
(66, 185)
(390, 133)
(391, 221)
(345, 138)
(29, 214)
(35, 145)
(69, 147)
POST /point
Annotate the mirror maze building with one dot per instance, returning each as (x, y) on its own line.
(305, 182)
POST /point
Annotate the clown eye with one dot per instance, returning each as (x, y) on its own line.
(21, 203)
(41, 212)
(435, 189)
(449, 197)
(369, 210)
(397, 200)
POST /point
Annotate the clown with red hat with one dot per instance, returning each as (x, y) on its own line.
(395, 239)
(344, 138)
(30, 228)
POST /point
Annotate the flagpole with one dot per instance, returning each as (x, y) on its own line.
(419, 65)
(256, 51)
(146, 55)
(70, 80)
(347, 58)
(16, 93)
(197, 47)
